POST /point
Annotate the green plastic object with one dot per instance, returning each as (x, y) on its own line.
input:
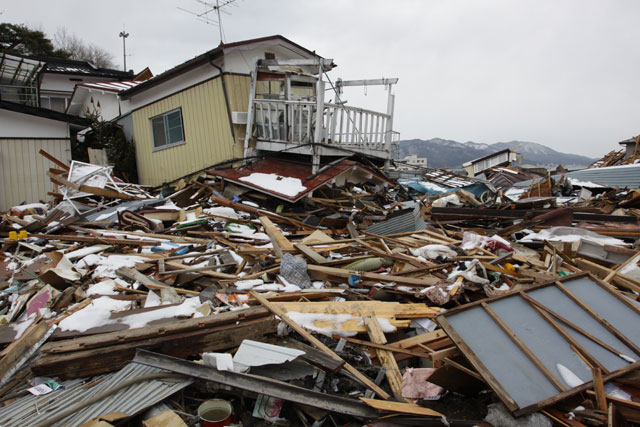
(189, 224)
(369, 264)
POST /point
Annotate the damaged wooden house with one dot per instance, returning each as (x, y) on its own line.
(263, 104)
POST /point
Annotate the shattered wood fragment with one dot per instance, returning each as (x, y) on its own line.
(319, 345)
(385, 356)
(149, 283)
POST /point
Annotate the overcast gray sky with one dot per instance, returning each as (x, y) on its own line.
(564, 73)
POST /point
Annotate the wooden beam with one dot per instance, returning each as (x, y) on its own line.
(598, 386)
(90, 239)
(322, 272)
(154, 330)
(385, 357)
(150, 283)
(319, 345)
(209, 272)
(404, 408)
(54, 160)
(281, 244)
(388, 347)
(311, 254)
(18, 348)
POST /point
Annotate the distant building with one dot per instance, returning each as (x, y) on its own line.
(632, 147)
(409, 162)
(500, 158)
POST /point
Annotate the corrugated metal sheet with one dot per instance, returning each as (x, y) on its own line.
(410, 221)
(207, 133)
(111, 86)
(23, 171)
(31, 410)
(614, 176)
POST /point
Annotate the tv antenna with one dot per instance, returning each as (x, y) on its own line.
(220, 6)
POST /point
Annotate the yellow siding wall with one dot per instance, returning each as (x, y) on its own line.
(23, 171)
(206, 129)
(238, 88)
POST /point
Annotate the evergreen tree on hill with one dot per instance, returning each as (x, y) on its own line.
(18, 39)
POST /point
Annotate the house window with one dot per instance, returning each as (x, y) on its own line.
(54, 103)
(167, 129)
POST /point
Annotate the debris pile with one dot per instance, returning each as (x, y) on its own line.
(441, 301)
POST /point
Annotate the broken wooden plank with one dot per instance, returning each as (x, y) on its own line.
(19, 348)
(319, 272)
(384, 356)
(319, 345)
(148, 282)
(398, 407)
(154, 330)
(281, 244)
(110, 358)
(311, 254)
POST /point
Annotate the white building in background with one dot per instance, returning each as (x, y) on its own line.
(411, 162)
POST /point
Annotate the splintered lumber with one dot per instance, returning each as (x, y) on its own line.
(319, 345)
(90, 239)
(154, 330)
(259, 212)
(313, 356)
(281, 244)
(54, 160)
(148, 282)
(387, 310)
(209, 272)
(311, 254)
(619, 279)
(598, 386)
(388, 347)
(359, 308)
(99, 360)
(19, 348)
(385, 356)
(405, 408)
(320, 272)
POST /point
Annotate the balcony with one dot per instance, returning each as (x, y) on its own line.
(286, 114)
(291, 125)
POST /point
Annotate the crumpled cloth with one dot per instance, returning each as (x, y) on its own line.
(294, 270)
(470, 274)
(416, 386)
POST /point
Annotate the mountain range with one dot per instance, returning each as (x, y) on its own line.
(443, 153)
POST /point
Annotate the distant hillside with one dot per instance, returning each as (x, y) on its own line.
(442, 153)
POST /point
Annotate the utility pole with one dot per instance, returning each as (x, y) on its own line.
(124, 36)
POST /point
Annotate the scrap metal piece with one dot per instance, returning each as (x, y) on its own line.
(266, 386)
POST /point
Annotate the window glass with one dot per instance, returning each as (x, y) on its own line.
(174, 127)
(58, 104)
(167, 129)
(159, 138)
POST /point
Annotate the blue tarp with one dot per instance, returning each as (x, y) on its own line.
(477, 189)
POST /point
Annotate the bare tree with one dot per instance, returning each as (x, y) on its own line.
(81, 51)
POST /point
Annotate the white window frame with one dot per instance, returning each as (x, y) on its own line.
(173, 144)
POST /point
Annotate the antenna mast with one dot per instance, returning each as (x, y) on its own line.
(217, 8)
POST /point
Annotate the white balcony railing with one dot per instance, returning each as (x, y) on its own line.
(294, 121)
